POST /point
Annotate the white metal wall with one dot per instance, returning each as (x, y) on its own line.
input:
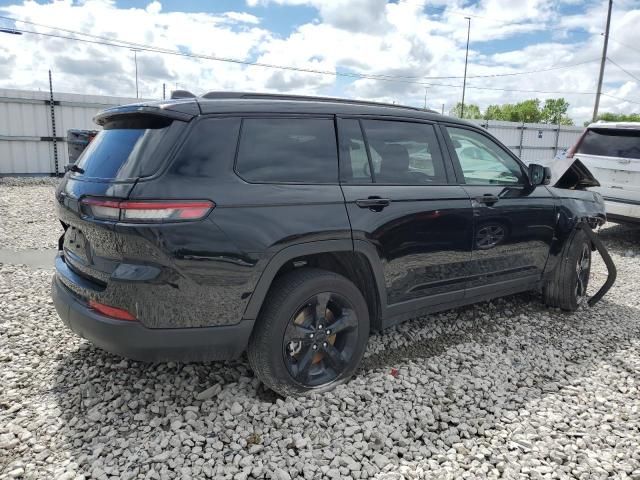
(25, 127)
(533, 142)
(26, 148)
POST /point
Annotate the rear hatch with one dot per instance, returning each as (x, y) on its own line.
(612, 154)
(135, 143)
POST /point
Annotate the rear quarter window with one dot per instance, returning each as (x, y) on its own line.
(209, 149)
(288, 150)
(608, 142)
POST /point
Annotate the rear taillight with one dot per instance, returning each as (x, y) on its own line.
(109, 311)
(572, 151)
(146, 211)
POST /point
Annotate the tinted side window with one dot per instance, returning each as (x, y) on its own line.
(404, 152)
(209, 149)
(293, 150)
(354, 166)
(483, 161)
(611, 143)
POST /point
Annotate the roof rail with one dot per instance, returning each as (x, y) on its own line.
(304, 98)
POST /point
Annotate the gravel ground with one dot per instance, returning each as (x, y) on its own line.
(506, 389)
(27, 212)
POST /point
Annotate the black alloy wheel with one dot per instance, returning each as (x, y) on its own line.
(311, 334)
(320, 339)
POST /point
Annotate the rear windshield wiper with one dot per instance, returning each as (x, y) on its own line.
(73, 168)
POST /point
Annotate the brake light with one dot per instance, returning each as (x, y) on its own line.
(146, 211)
(113, 312)
(572, 151)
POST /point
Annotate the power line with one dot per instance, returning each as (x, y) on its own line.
(558, 67)
(146, 48)
(126, 44)
(623, 44)
(625, 71)
(621, 99)
(286, 67)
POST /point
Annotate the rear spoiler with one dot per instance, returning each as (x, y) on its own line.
(177, 110)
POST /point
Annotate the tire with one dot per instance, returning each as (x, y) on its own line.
(281, 348)
(567, 288)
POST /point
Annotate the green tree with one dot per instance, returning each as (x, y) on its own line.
(619, 117)
(529, 111)
(526, 111)
(494, 112)
(555, 112)
(471, 111)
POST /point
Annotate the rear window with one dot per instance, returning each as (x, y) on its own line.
(288, 150)
(128, 148)
(611, 143)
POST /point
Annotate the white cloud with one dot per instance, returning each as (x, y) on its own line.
(365, 36)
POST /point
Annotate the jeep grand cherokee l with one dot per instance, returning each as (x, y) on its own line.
(291, 227)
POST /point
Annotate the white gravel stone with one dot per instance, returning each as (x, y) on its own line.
(502, 389)
(209, 392)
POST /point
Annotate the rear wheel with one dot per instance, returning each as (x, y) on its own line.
(567, 288)
(311, 333)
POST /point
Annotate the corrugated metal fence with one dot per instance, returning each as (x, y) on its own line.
(26, 127)
(27, 141)
(533, 142)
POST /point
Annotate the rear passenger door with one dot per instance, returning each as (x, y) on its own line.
(283, 188)
(399, 200)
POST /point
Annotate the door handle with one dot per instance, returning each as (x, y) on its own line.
(375, 204)
(488, 198)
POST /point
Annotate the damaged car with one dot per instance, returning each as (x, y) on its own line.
(292, 227)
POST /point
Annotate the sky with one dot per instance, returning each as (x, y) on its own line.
(406, 44)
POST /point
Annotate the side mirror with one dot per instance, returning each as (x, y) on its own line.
(539, 175)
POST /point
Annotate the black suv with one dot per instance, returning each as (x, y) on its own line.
(292, 227)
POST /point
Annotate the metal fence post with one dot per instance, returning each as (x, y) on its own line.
(555, 146)
(53, 126)
(522, 127)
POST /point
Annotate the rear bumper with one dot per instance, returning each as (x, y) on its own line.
(619, 210)
(135, 341)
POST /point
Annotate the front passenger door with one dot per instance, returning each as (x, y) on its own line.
(513, 222)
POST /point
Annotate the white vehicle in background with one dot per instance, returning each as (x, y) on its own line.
(611, 152)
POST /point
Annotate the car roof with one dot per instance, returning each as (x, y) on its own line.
(239, 102)
(615, 125)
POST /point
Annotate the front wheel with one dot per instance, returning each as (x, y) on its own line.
(311, 333)
(567, 288)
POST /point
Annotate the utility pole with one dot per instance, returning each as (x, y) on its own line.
(425, 98)
(135, 59)
(443, 109)
(604, 59)
(164, 91)
(466, 59)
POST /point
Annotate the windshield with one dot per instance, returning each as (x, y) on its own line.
(609, 142)
(127, 149)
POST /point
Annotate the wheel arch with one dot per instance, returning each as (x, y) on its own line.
(357, 261)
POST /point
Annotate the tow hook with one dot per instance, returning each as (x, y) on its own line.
(611, 268)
